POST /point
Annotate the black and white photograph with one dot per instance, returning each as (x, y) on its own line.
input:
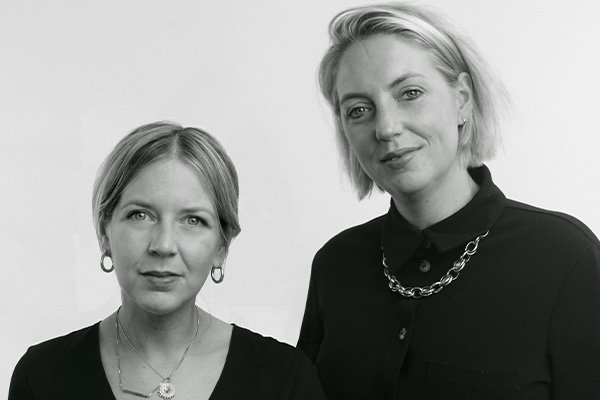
(300, 200)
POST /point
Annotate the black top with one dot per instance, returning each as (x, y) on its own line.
(522, 321)
(70, 367)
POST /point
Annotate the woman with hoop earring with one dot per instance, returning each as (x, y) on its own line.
(165, 210)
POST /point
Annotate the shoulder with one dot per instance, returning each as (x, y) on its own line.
(365, 234)
(57, 358)
(348, 251)
(59, 347)
(265, 350)
(550, 225)
(554, 246)
(266, 368)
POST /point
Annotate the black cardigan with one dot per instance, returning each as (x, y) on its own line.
(70, 367)
(522, 321)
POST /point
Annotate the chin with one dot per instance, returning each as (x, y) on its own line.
(406, 185)
(161, 303)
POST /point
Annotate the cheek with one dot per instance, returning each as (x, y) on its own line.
(440, 129)
(359, 140)
(126, 247)
(199, 254)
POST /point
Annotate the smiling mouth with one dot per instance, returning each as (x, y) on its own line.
(398, 155)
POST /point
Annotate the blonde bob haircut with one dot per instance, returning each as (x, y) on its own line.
(452, 53)
(164, 140)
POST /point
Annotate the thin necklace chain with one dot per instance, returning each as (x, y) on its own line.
(124, 390)
(119, 327)
(436, 287)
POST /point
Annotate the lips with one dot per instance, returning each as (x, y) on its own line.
(160, 274)
(398, 155)
(161, 280)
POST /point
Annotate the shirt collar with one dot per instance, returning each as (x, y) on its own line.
(401, 239)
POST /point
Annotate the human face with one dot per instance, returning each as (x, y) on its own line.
(400, 115)
(164, 237)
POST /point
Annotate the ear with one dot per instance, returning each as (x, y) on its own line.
(105, 244)
(464, 96)
(221, 255)
(105, 240)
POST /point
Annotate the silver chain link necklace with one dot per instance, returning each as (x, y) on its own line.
(425, 291)
(165, 388)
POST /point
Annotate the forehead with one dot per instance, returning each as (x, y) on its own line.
(380, 59)
(168, 182)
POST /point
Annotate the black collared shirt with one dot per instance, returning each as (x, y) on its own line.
(522, 321)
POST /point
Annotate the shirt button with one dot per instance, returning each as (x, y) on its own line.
(424, 266)
(402, 334)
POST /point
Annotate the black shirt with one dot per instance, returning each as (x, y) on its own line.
(256, 367)
(522, 321)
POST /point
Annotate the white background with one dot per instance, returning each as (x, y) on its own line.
(76, 76)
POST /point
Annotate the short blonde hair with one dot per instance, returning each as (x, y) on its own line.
(161, 140)
(453, 54)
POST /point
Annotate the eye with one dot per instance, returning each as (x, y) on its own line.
(411, 94)
(357, 112)
(194, 220)
(137, 215)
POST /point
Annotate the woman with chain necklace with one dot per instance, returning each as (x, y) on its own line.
(457, 292)
(165, 209)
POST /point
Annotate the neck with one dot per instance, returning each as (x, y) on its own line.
(156, 336)
(439, 200)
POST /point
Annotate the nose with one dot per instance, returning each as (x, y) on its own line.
(162, 243)
(389, 122)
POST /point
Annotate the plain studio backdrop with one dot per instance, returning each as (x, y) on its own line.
(76, 76)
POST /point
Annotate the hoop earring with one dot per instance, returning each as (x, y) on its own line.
(112, 266)
(217, 277)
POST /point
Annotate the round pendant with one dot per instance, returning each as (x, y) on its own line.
(166, 390)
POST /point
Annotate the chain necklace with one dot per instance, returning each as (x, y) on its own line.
(165, 388)
(452, 274)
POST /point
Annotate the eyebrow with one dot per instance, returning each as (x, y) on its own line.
(138, 203)
(193, 210)
(402, 78)
(391, 85)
